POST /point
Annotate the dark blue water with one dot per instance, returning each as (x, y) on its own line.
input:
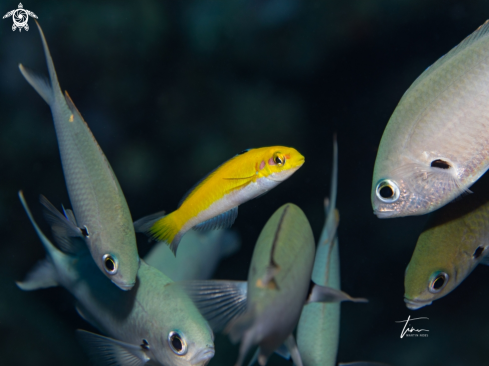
(173, 89)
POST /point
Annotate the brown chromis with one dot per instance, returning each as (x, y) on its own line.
(434, 146)
(102, 215)
(454, 242)
(152, 322)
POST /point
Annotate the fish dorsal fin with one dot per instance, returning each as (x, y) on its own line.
(207, 176)
(481, 32)
(43, 275)
(219, 302)
(222, 221)
(68, 236)
(107, 351)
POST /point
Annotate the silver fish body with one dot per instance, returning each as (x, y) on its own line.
(275, 303)
(95, 194)
(436, 144)
(144, 318)
(202, 252)
(318, 331)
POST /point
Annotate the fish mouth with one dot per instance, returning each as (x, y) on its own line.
(203, 357)
(384, 214)
(416, 304)
(123, 286)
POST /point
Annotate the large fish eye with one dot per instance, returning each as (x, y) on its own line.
(278, 159)
(110, 263)
(438, 282)
(177, 343)
(387, 191)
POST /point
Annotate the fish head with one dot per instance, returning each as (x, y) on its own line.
(281, 162)
(438, 265)
(120, 263)
(184, 338)
(414, 188)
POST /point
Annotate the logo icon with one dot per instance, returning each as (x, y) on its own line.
(20, 17)
(408, 331)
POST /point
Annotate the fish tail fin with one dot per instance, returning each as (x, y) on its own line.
(47, 89)
(161, 228)
(43, 274)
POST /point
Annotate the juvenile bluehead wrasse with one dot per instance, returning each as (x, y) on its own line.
(102, 216)
(454, 242)
(435, 145)
(213, 202)
(154, 322)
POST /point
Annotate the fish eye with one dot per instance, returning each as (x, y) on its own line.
(177, 343)
(387, 191)
(438, 282)
(111, 264)
(278, 159)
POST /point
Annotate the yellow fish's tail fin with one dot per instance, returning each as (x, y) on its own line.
(161, 228)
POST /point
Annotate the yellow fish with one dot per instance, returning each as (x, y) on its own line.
(213, 202)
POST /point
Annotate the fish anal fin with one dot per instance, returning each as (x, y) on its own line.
(222, 221)
(108, 351)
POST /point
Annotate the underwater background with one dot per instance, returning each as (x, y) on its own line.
(172, 89)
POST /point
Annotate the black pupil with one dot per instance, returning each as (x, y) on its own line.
(386, 192)
(176, 343)
(478, 252)
(109, 264)
(440, 164)
(278, 160)
(439, 282)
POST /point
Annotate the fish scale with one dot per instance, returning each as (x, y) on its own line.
(443, 115)
(95, 194)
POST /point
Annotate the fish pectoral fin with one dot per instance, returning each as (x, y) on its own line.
(268, 279)
(107, 351)
(329, 294)
(293, 349)
(43, 275)
(67, 235)
(222, 221)
(219, 302)
(69, 215)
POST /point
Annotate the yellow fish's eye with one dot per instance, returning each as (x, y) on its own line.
(278, 159)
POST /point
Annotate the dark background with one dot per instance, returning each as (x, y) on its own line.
(172, 89)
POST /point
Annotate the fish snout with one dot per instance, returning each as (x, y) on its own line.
(124, 286)
(204, 356)
(416, 304)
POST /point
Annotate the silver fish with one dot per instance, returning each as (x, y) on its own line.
(436, 144)
(102, 215)
(154, 322)
(202, 252)
(265, 310)
(318, 331)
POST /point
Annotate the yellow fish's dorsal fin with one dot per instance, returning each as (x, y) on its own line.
(481, 32)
